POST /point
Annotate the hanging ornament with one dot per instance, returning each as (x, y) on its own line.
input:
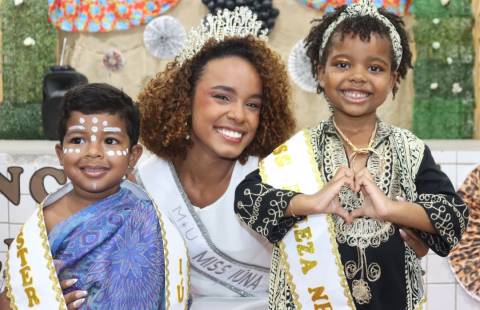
(264, 9)
(17, 2)
(436, 45)
(164, 37)
(433, 86)
(444, 2)
(300, 69)
(113, 60)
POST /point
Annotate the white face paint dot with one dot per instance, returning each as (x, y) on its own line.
(77, 151)
(119, 153)
(70, 150)
(94, 120)
(94, 128)
(105, 123)
(82, 120)
(65, 151)
(93, 138)
(110, 153)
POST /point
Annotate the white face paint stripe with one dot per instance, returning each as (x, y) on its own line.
(93, 138)
(76, 127)
(112, 129)
(65, 151)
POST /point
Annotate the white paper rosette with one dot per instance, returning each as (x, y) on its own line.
(299, 68)
(164, 37)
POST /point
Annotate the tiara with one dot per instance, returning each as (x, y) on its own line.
(366, 8)
(241, 22)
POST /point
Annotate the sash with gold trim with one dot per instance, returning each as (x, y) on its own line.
(159, 178)
(310, 251)
(31, 279)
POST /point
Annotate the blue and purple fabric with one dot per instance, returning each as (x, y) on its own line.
(114, 248)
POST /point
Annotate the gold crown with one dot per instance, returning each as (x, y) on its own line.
(242, 22)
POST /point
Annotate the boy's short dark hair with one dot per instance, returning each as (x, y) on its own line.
(100, 98)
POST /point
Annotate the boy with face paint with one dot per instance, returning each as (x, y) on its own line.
(105, 231)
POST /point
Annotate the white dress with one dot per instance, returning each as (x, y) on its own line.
(233, 238)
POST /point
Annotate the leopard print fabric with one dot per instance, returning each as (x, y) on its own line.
(465, 257)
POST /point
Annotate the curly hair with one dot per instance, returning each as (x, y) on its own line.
(363, 26)
(166, 102)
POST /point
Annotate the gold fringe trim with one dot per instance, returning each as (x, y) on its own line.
(284, 264)
(167, 261)
(8, 279)
(331, 226)
(48, 256)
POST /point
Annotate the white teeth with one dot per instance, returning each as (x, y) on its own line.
(355, 94)
(93, 170)
(230, 133)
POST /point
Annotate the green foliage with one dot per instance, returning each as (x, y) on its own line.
(24, 66)
(444, 75)
(434, 8)
(438, 118)
(21, 121)
(445, 56)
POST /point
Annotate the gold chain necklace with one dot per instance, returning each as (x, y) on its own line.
(358, 150)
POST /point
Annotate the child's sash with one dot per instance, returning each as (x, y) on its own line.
(309, 250)
(159, 179)
(31, 278)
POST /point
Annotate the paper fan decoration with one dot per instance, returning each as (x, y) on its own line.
(300, 69)
(164, 37)
(103, 16)
(465, 257)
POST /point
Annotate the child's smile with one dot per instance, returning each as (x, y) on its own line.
(95, 153)
(357, 76)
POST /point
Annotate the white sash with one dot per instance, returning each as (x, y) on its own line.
(313, 266)
(32, 281)
(160, 180)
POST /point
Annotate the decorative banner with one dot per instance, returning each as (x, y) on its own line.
(103, 15)
(399, 7)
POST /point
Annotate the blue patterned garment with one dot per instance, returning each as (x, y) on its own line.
(114, 248)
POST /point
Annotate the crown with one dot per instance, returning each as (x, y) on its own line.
(241, 22)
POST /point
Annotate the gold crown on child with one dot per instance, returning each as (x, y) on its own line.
(241, 22)
(366, 8)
